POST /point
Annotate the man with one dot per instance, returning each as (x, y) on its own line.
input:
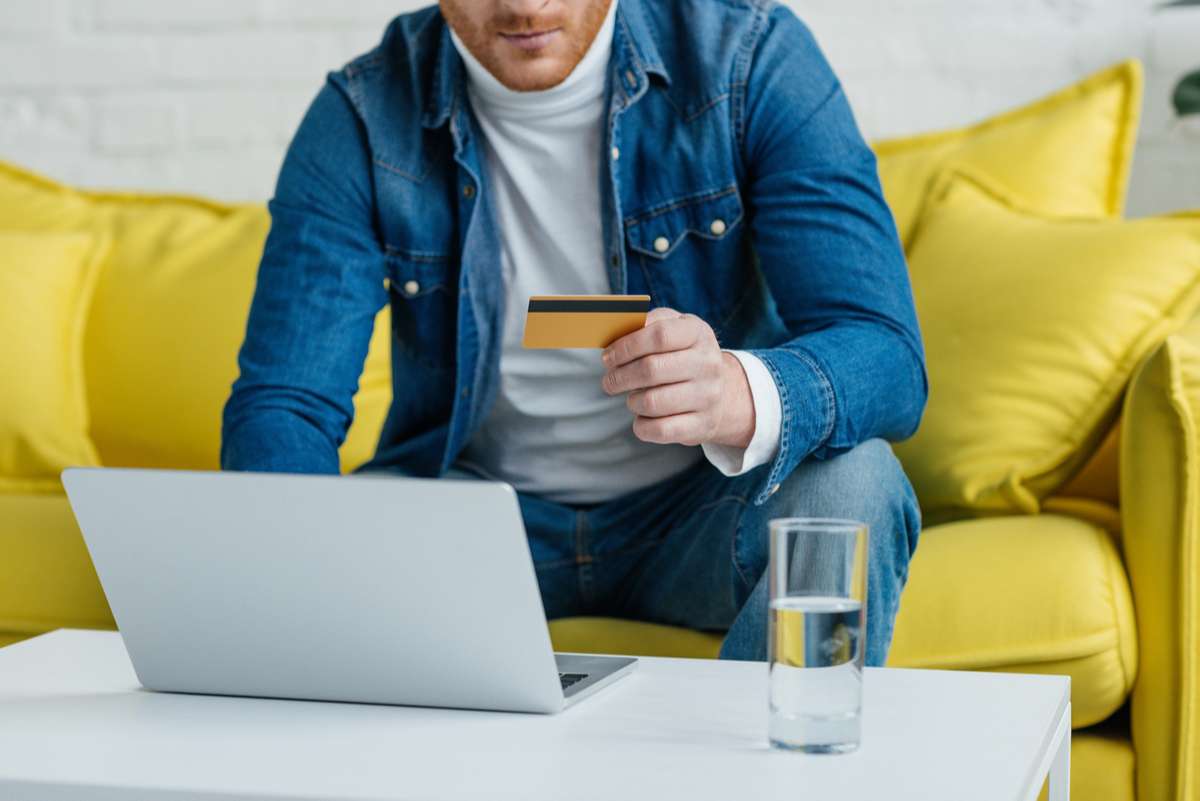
(697, 151)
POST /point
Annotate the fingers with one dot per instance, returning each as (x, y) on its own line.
(653, 370)
(664, 401)
(682, 429)
(661, 313)
(663, 333)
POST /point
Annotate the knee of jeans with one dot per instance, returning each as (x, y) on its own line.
(867, 484)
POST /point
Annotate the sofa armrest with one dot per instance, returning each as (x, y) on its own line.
(1160, 509)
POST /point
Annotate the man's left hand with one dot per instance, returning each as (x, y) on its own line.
(682, 387)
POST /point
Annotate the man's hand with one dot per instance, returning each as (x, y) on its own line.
(682, 387)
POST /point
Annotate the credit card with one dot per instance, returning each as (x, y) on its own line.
(583, 321)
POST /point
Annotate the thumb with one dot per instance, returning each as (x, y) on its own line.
(660, 314)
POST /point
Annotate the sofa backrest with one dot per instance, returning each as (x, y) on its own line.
(167, 319)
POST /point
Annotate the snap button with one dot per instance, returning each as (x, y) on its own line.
(773, 490)
(468, 191)
(411, 287)
(717, 227)
(662, 244)
(616, 153)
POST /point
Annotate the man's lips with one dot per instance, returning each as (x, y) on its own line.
(531, 41)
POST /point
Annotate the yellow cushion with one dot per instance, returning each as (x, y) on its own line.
(1160, 491)
(1101, 767)
(1033, 327)
(46, 576)
(46, 283)
(169, 315)
(1039, 594)
(1066, 154)
(602, 635)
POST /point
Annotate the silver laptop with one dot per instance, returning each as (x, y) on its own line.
(371, 590)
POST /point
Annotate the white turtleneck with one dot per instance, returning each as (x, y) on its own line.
(553, 432)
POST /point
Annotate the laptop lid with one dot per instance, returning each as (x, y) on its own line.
(377, 590)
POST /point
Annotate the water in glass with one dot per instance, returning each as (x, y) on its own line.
(816, 673)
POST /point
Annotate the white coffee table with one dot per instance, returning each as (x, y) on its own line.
(75, 725)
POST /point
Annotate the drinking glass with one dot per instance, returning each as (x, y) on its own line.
(818, 598)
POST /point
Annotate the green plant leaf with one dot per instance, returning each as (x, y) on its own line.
(1187, 95)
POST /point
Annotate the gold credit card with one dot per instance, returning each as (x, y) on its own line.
(583, 321)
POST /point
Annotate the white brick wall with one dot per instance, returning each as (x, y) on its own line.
(203, 95)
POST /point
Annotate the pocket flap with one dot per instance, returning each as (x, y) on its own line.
(412, 276)
(711, 215)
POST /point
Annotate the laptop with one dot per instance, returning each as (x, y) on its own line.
(359, 589)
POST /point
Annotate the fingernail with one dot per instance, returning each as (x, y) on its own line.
(606, 357)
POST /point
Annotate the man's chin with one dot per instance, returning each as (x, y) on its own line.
(533, 74)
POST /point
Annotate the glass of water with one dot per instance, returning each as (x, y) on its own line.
(817, 636)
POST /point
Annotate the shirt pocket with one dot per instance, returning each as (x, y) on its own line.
(423, 308)
(690, 251)
(661, 232)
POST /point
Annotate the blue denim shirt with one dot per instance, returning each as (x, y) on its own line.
(720, 110)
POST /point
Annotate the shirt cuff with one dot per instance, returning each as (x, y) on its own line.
(768, 414)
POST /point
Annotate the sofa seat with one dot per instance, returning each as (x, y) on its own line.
(1101, 767)
(46, 576)
(1044, 594)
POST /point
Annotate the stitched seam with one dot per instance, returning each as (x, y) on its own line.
(733, 557)
(785, 428)
(706, 107)
(397, 170)
(1183, 772)
(693, 115)
(686, 200)
(424, 256)
(827, 388)
(742, 67)
(358, 65)
(630, 44)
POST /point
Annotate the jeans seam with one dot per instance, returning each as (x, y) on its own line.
(583, 560)
(735, 540)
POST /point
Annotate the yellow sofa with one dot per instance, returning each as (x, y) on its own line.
(1100, 585)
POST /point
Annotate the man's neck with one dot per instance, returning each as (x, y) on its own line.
(584, 84)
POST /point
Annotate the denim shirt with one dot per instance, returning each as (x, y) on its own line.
(743, 193)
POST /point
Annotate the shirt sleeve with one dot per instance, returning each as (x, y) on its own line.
(767, 417)
(848, 359)
(320, 285)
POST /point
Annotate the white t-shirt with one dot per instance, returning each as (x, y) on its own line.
(553, 432)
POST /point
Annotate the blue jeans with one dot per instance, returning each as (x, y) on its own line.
(692, 550)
